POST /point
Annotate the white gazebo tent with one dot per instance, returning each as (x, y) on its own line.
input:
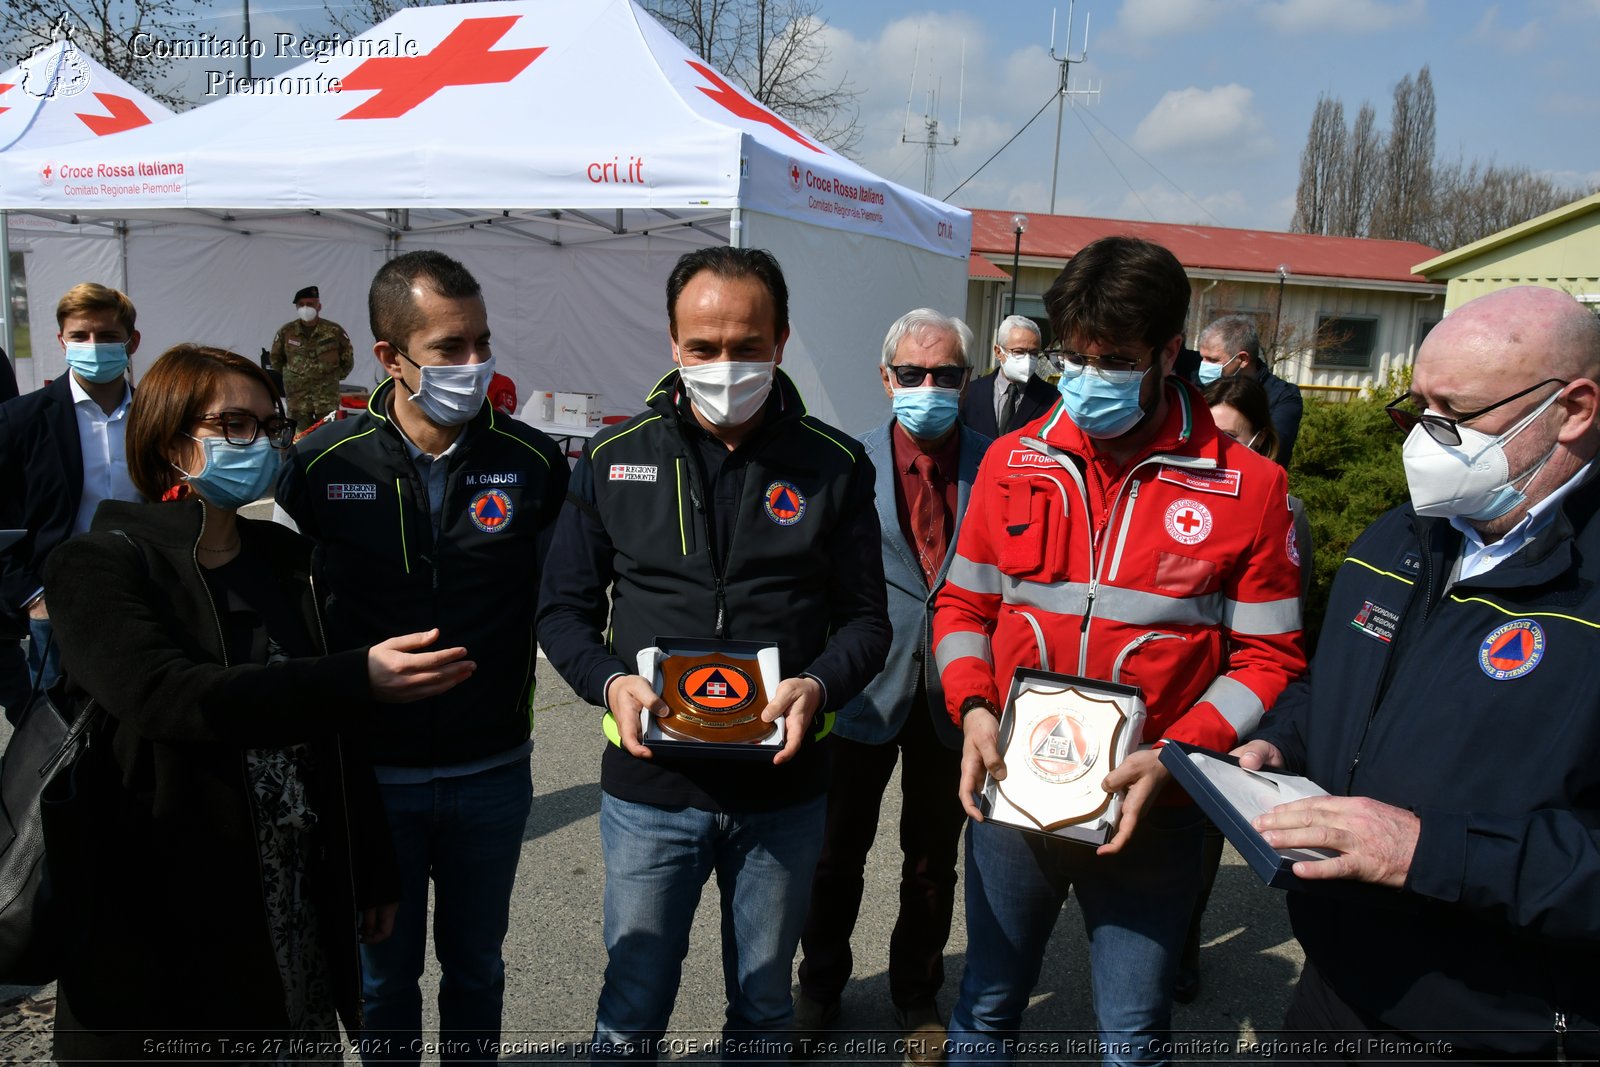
(60, 94)
(568, 153)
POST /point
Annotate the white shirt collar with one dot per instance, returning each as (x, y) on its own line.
(81, 396)
(1480, 558)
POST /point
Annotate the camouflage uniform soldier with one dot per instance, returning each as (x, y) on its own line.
(313, 354)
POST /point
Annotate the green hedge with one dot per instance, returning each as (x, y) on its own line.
(1347, 470)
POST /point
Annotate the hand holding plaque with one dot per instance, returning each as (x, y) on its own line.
(1060, 735)
(715, 692)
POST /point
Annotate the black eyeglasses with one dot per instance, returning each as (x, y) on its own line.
(1445, 430)
(946, 377)
(242, 428)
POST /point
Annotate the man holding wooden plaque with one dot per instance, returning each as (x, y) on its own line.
(723, 522)
(1121, 543)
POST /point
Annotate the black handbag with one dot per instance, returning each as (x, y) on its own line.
(47, 743)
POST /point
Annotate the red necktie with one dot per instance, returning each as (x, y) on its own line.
(928, 519)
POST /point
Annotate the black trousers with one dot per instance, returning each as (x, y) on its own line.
(930, 834)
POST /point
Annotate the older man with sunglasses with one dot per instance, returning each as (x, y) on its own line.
(1454, 716)
(925, 461)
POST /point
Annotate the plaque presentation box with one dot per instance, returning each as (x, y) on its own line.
(1232, 797)
(716, 691)
(1060, 735)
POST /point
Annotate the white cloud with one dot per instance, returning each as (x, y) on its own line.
(1351, 16)
(1159, 18)
(1514, 39)
(1162, 203)
(1219, 120)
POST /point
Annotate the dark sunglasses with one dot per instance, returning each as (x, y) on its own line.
(1404, 414)
(946, 377)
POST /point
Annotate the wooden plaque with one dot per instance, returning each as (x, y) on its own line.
(714, 698)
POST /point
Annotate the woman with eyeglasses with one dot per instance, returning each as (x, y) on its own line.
(221, 849)
(1240, 410)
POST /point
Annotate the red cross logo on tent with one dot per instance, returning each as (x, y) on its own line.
(742, 105)
(6, 87)
(463, 58)
(124, 115)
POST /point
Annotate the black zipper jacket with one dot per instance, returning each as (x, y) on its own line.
(799, 563)
(1476, 706)
(352, 487)
(158, 864)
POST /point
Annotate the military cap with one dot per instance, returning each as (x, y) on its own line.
(308, 293)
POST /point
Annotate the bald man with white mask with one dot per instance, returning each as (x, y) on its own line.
(1453, 711)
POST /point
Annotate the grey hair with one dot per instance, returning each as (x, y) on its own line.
(1234, 334)
(921, 323)
(1016, 322)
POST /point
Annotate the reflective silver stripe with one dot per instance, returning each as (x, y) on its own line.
(1128, 606)
(1265, 617)
(962, 644)
(974, 577)
(1062, 598)
(1236, 701)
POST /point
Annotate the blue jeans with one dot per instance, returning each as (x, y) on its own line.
(657, 861)
(466, 833)
(44, 656)
(1135, 905)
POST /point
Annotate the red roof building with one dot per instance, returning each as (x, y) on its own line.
(1351, 308)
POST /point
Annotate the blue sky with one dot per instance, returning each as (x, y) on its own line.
(1203, 104)
(1215, 95)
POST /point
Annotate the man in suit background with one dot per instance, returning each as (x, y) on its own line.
(1012, 395)
(60, 455)
(925, 462)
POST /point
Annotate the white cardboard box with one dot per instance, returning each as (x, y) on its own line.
(577, 409)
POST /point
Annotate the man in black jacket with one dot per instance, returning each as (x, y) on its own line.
(61, 454)
(1452, 709)
(434, 512)
(722, 512)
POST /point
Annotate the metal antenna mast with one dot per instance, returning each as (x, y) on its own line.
(1064, 87)
(930, 118)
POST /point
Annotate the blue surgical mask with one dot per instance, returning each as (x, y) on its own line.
(1209, 372)
(100, 362)
(232, 476)
(927, 413)
(1103, 404)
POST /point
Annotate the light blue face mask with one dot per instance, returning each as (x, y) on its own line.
(98, 362)
(1103, 404)
(1210, 372)
(927, 413)
(234, 475)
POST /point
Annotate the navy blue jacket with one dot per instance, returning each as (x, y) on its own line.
(352, 487)
(881, 709)
(1284, 407)
(977, 407)
(41, 482)
(1477, 707)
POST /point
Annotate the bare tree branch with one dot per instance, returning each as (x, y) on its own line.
(774, 50)
(107, 30)
(1353, 184)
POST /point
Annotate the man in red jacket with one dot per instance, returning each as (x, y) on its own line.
(1120, 537)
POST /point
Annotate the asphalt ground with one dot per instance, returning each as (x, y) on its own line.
(555, 955)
